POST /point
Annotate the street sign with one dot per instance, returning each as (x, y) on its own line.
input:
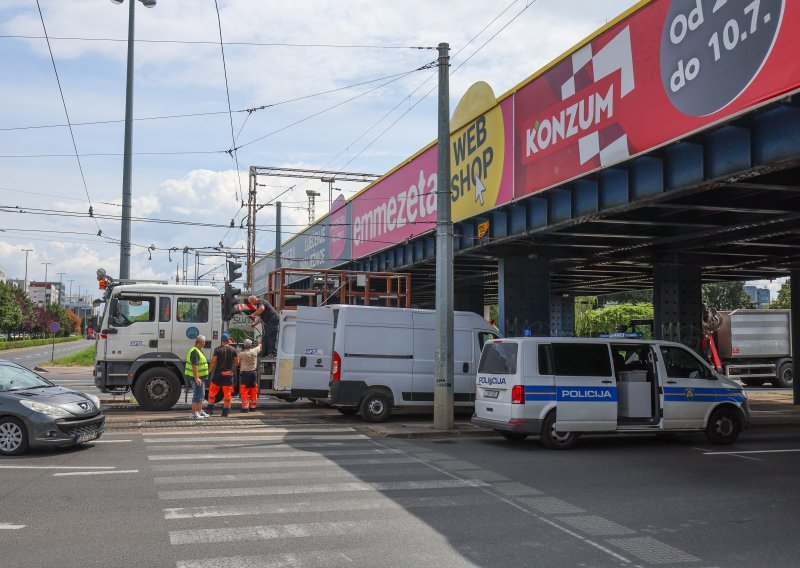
(54, 326)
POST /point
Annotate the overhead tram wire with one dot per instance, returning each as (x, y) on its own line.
(242, 43)
(66, 113)
(232, 150)
(211, 113)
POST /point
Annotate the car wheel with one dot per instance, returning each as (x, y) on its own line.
(13, 437)
(157, 389)
(513, 436)
(723, 426)
(348, 411)
(785, 376)
(753, 382)
(376, 407)
(554, 439)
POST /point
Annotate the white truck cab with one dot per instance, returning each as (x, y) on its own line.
(145, 332)
(559, 388)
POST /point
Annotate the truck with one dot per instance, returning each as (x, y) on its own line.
(755, 346)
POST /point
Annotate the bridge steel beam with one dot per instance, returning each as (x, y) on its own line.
(523, 296)
(677, 303)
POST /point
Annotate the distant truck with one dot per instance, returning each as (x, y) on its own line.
(755, 346)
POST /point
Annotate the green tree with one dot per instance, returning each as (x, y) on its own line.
(784, 299)
(593, 322)
(632, 297)
(726, 296)
(11, 316)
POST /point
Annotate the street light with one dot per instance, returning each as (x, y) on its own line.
(26, 251)
(125, 236)
(46, 264)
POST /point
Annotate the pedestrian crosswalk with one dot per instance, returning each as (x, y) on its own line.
(291, 495)
(300, 496)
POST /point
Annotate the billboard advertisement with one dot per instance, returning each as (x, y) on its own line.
(669, 69)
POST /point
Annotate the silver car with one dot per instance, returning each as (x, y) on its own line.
(36, 413)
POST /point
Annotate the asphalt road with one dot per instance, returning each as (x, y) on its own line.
(291, 491)
(31, 356)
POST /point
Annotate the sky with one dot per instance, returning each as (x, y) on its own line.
(364, 106)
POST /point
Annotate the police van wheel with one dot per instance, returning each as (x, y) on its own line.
(157, 389)
(376, 407)
(723, 426)
(554, 439)
(513, 436)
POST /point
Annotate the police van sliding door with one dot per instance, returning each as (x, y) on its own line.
(586, 392)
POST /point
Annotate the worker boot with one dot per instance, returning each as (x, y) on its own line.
(225, 412)
(210, 410)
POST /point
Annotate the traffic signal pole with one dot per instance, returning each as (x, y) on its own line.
(443, 388)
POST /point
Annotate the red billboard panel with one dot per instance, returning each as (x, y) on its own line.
(667, 70)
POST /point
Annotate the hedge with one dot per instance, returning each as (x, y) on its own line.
(35, 342)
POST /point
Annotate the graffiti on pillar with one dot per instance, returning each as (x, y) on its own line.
(687, 334)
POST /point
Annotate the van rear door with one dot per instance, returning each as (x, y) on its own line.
(284, 360)
(497, 372)
(313, 351)
(586, 391)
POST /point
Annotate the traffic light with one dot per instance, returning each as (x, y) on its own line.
(233, 275)
(229, 300)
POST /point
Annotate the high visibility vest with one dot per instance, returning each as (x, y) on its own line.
(202, 364)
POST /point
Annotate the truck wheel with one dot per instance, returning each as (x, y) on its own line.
(513, 436)
(376, 407)
(723, 426)
(349, 411)
(785, 376)
(157, 389)
(555, 440)
(753, 382)
(13, 437)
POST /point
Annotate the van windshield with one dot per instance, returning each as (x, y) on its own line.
(498, 359)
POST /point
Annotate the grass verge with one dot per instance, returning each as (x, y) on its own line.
(83, 358)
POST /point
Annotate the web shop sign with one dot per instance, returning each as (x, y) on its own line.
(623, 94)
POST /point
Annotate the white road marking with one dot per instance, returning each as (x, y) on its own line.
(260, 428)
(240, 477)
(751, 452)
(96, 472)
(284, 560)
(271, 464)
(233, 534)
(247, 439)
(10, 527)
(321, 488)
(110, 441)
(263, 454)
(58, 467)
(472, 499)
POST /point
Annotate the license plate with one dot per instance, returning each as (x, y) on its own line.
(491, 393)
(86, 437)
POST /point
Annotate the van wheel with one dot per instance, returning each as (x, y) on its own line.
(554, 439)
(785, 376)
(348, 411)
(376, 407)
(13, 437)
(723, 426)
(157, 389)
(513, 436)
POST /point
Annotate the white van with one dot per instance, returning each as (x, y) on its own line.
(560, 387)
(371, 359)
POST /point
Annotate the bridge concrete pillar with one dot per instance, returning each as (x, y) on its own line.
(562, 316)
(523, 290)
(469, 300)
(678, 303)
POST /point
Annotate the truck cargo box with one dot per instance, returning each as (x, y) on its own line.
(748, 334)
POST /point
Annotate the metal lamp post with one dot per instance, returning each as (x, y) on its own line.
(26, 251)
(125, 236)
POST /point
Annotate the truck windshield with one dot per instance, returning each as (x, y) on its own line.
(498, 359)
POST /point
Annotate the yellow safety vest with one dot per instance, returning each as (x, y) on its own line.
(202, 364)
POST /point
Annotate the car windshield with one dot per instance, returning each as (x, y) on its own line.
(13, 378)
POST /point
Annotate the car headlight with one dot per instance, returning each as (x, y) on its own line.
(46, 409)
(94, 399)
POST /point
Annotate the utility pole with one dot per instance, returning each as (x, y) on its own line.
(312, 195)
(443, 388)
(60, 283)
(277, 235)
(46, 264)
(71, 300)
(26, 251)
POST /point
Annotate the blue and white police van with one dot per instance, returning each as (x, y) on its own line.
(558, 388)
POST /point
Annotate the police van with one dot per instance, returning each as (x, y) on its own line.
(558, 388)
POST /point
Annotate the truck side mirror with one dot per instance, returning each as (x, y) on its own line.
(113, 307)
